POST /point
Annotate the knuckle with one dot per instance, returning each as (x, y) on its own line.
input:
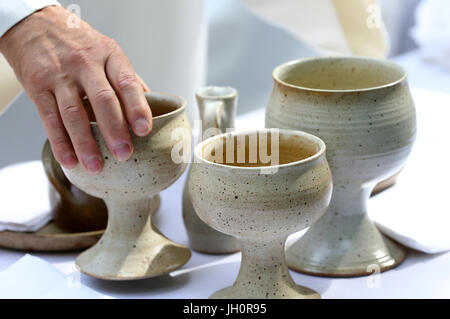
(126, 81)
(72, 113)
(80, 56)
(84, 143)
(111, 43)
(59, 143)
(65, 77)
(104, 96)
(38, 78)
(52, 120)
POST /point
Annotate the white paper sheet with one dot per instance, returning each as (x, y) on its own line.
(33, 278)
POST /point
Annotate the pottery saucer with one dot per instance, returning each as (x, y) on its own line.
(49, 238)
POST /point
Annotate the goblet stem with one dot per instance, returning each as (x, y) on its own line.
(349, 200)
(263, 264)
(264, 273)
(127, 218)
(131, 247)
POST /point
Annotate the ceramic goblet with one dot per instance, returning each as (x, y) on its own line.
(261, 202)
(131, 247)
(363, 110)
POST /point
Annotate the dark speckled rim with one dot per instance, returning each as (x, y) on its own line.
(310, 137)
(278, 71)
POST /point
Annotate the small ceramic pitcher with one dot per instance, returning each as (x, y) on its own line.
(217, 107)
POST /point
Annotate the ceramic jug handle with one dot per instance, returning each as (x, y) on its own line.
(214, 113)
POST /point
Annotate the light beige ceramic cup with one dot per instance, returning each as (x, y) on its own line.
(261, 201)
(363, 110)
(131, 247)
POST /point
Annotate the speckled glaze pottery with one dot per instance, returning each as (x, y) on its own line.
(363, 110)
(261, 208)
(73, 209)
(131, 247)
(217, 108)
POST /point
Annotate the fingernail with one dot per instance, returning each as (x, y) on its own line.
(141, 126)
(122, 152)
(93, 164)
(69, 161)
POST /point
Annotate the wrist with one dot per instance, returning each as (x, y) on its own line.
(14, 11)
(27, 29)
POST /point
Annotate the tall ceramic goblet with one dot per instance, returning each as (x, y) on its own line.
(131, 247)
(73, 209)
(363, 110)
(261, 208)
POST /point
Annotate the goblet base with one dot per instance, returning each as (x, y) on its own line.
(287, 292)
(146, 256)
(348, 246)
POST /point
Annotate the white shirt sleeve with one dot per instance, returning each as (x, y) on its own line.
(14, 11)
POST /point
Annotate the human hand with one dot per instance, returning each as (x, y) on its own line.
(58, 66)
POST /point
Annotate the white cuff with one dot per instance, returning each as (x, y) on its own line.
(14, 11)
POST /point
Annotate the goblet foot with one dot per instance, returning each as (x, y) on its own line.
(147, 255)
(284, 292)
(347, 246)
(264, 274)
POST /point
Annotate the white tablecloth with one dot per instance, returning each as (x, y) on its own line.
(420, 276)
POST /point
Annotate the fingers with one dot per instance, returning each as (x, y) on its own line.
(78, 128)
(56, 132)
(108, 112)
(131, 92)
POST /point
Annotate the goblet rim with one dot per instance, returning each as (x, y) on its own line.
(276, 74)
(181, 101)
(311, 137)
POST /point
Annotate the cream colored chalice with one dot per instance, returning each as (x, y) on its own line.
(261, 200)
(362, 109)
(131, 247)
